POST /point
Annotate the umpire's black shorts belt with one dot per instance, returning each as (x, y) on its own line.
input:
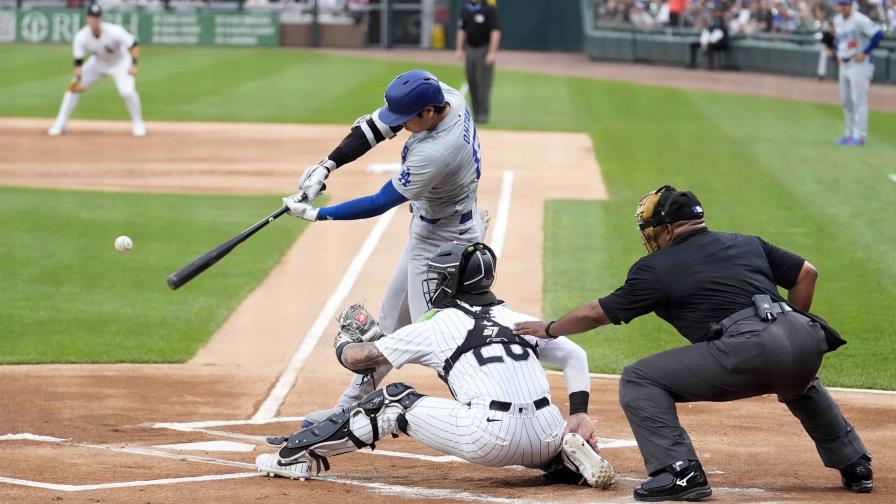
(751, 312)
(540, 403)
(464, 218)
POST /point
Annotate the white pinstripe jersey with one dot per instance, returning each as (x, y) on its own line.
(431, 341)
(110, 47)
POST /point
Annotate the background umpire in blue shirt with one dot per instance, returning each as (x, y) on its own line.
(478, 36)
(719, 290)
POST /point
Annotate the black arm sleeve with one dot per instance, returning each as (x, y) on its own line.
(785, 265)
(365, 134)
(641, 293)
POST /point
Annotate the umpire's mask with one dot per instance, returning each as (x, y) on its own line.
(665, 206)
(460, 271)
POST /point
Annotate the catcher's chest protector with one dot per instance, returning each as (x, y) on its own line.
(487, 331)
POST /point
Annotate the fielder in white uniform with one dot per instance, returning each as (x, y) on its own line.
(856, 36)
(440, 170)
(112, 51)
(501, 413)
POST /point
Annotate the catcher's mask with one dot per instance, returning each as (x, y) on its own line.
(665, 206)
(460, 271)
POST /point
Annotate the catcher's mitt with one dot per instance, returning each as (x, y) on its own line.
(357, 325)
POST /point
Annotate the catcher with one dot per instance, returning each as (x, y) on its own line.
(501, 413)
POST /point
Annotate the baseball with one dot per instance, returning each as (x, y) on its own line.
(123, 244)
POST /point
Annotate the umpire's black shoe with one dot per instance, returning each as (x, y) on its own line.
(858, 476)
(681, 481)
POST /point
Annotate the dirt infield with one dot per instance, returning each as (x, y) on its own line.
(99, 428)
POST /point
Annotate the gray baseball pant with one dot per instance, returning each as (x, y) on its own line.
(855, 79)
(404, 302)
(479, 78)
(752, 358)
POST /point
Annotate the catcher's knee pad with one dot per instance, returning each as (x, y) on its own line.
(405, 396)
(353, 428)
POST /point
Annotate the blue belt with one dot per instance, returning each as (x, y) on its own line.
(464, 218)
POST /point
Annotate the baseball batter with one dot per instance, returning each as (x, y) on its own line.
(440, 169)
(110, 50)
(501, 413)
(856, 37)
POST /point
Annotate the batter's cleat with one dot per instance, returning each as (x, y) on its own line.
(139, 131)
(856, 142)
(681, 481)
(858, 476)
(593, 468)
(844, 140)
(55, 131)
(271, 465)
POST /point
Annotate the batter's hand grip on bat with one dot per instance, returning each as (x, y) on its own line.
(205, 261)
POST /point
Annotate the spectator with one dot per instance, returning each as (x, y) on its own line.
(713, 40)
(676, 9)
(639, 17)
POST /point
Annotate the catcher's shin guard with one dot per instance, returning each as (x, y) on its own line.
(362, 424)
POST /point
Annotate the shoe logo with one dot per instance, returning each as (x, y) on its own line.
(684, 481)
(461, 233)
(492, 419)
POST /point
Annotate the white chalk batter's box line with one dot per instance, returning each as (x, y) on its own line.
(380, 488)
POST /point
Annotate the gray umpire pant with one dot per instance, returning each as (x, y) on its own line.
(752, 358)
(479, 78)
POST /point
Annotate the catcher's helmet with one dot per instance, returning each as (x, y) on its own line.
(665, 206)
(461, 271)
(408, 94)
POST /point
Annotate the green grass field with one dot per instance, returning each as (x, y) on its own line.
(70, 297)
(760, 165)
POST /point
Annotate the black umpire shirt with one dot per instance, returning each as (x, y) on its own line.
(701, 278)
(478, 20)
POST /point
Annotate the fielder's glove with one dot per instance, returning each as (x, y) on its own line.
(356, 325)
(300, 208)
(75, 85)
(311, 183)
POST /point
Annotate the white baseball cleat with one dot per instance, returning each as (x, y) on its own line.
(54, 131)
(139, 131)
(270, 464)
(576, 453)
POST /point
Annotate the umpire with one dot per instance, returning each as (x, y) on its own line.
(719, 291)
(479, 36)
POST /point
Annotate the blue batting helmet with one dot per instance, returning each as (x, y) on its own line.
(408, 94)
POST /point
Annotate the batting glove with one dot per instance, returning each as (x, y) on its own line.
(298, 207)
(311, 183)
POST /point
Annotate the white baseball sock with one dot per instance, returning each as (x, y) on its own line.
(132, 102)
(69, 101)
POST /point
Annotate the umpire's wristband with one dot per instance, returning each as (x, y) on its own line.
(547, 329)
(578, 402)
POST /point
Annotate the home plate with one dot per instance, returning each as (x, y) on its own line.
(219, 446)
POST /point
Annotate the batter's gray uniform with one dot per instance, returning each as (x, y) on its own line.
(852, 36)
(440, 172)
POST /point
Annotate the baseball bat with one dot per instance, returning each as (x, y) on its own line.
(205, 261)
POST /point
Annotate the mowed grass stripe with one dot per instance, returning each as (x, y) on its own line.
(70, 297)
(762, 166)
